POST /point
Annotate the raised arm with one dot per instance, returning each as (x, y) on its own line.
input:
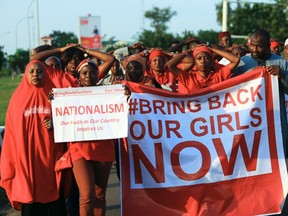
(173, 62)
(234, 60)
(51, 52)
(106, 58)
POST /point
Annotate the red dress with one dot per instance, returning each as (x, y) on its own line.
(96, 150)
(29, 152)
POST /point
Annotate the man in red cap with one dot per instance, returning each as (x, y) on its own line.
(274, 47)
(224, 39)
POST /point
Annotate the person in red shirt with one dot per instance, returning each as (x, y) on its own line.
(156, 62)
(135, 67)
(205, 71)
(92, 160)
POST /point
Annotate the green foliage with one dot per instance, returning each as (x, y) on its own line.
(151, 39)
(208, 35)
(60, 39)
(4, 63)
(159, 18)
(19, 60)
(158, 37)
(7, 87)
(244, 18)
(186, 34)
(2, 57)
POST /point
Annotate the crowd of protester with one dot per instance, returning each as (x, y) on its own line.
(29, 155)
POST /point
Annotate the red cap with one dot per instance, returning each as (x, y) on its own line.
(274, 44)
(223, 34)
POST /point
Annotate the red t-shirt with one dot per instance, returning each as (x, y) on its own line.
(165, 78)
(190, 82)
(62, 79)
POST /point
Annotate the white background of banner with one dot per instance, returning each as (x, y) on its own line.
(101, 125)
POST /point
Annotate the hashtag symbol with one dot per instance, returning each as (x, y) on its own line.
(133, 106)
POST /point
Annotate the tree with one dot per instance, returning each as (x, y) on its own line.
(158, 37)
(210, 36)
(2, 57)
(244, 18)
(159, 18)
(19, 60)
(150, 39)
(60, 39)
(4, 63)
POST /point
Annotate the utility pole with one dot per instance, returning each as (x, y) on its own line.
(224, 14)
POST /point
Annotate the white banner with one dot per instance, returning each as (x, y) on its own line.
(89, 113)
(218, 151)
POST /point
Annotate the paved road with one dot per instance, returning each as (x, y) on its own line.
(113, 195)
(113, 198)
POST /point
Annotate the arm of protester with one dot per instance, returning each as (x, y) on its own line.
(121, 53)
(187, 63)
(47, 53)
(234, 60)
(106, 58)
(187, 41)
(176, 47)
(195, 40)
(173, 62)
(138, 46)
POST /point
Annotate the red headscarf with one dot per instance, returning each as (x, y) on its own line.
(202, 49)
(28, 151)
(155, 53)
(84, 63)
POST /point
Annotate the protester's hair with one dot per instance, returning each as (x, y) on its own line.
(69, 54)
(117, 61)
(135, 65)
(55, 58)
(263, 33)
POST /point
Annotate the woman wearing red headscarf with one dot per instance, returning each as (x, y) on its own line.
(157, 60)
(205, 71)
(29, 152)
(92, 160)
(135, 67)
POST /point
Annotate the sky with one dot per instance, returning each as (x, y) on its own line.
(120, 19)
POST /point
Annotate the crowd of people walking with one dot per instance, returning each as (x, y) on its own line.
(37, 183)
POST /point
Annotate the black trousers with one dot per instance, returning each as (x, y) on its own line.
(55, 208)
